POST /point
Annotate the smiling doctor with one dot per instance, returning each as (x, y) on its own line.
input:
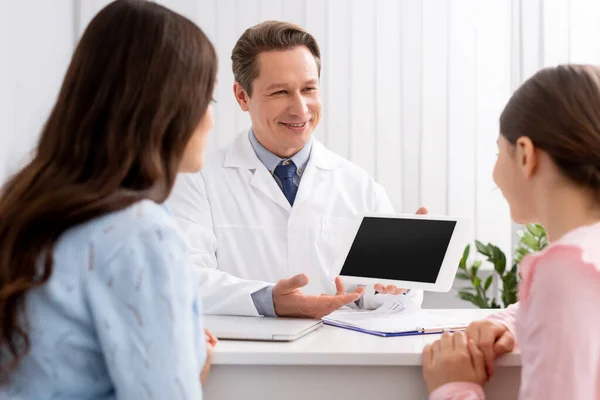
(276, 203)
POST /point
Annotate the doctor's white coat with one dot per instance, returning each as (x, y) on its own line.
(243, 234)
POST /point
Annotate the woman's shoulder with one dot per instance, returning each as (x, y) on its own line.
(109, 233)
(576, 256)
(583, 243)
(136, 218)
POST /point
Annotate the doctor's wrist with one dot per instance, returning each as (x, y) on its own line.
(263, 301)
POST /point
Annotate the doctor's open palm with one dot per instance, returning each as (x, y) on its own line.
(289, 301)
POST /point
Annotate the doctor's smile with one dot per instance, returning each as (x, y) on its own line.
(294, 127)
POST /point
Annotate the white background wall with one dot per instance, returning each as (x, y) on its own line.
(36, 42)
(412, 90)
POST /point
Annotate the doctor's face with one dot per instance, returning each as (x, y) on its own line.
(285, 106)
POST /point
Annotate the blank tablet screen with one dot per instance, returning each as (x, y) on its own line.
(399, 249)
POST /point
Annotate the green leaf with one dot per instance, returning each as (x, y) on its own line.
(509, 298)
(475, 268)
(530, 241)
(493, 252)
(481, 248)
(483, 299)
(542, 242)
(463, 276)
(500, 262)
(465, 256)
(517, 258)
(488, 282)
(483, 302)
(479, 300)
(470, 297)
(535, 230)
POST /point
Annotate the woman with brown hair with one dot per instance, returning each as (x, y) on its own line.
(97, 299)
(548, 169)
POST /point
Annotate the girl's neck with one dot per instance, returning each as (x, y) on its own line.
(567, 209)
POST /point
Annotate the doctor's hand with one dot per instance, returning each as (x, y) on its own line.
(211, 342)
(389, 289)
(453, 358)
(289, 301)
(422, 211)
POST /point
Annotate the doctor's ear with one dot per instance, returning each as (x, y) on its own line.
(241, 96)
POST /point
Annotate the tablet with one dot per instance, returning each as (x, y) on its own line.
(407, 250)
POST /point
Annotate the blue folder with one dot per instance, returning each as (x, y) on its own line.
(381, 334)
(422, 331)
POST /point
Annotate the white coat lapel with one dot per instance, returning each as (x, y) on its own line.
(320, 160)
(241, 155)
(309, 183)
(263, 181)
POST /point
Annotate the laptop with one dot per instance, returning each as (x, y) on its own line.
(260, 328)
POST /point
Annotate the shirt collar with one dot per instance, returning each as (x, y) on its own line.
(271, 161)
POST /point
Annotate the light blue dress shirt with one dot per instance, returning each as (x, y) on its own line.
(271, 161)
(119, 318)
(263, 299)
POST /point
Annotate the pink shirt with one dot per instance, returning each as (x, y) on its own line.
(556, 323)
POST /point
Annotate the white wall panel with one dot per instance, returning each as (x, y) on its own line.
(315, 17)
(205, 17)
(493, 60)
(187, 8)
(584, 22)
(226, 108)
(363, 128)
(338, 59)
(85, 11)
(412, 78)
(434, 120)
(462, 102)
(270, 9)
(295, 11)
(556, 26)
(246, 15)
(388, 100)
(35, 50)
(531, 31)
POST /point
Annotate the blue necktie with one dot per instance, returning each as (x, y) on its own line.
(285, 172)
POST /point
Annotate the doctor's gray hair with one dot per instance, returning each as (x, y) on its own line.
(268, 36)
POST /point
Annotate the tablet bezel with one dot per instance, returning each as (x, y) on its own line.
(445, 279)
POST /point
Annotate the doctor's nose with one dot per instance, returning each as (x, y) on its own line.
(298, 106)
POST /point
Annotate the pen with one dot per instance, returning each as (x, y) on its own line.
(441, 329)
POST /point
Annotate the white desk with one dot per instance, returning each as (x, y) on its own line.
(338, 364)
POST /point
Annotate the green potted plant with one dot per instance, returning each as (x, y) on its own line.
(531, 239)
